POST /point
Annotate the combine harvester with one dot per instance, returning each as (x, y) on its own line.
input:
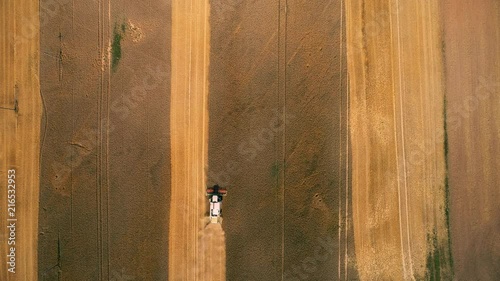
(215, 195)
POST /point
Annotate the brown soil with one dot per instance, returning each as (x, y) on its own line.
(472, 53)
(105, 158)
(278, 139)
(20, 114)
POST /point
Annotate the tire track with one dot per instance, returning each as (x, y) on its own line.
(103, 140)
(347, 186)
(343, 236)
(403, 149)
(108, 94)
(403, 256)
(282, 88)
(344, 223)
(340, 223)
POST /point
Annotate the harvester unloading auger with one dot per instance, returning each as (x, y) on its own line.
(215, 195)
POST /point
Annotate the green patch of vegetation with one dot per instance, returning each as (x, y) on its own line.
(116, 47)
(446, 182)
(275, 170)
(433, 260)
(439, 263)
(445, 135)
(312, 165)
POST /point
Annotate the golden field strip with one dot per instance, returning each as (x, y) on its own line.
(20, 118)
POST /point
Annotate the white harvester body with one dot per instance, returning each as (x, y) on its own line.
(215, 195)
